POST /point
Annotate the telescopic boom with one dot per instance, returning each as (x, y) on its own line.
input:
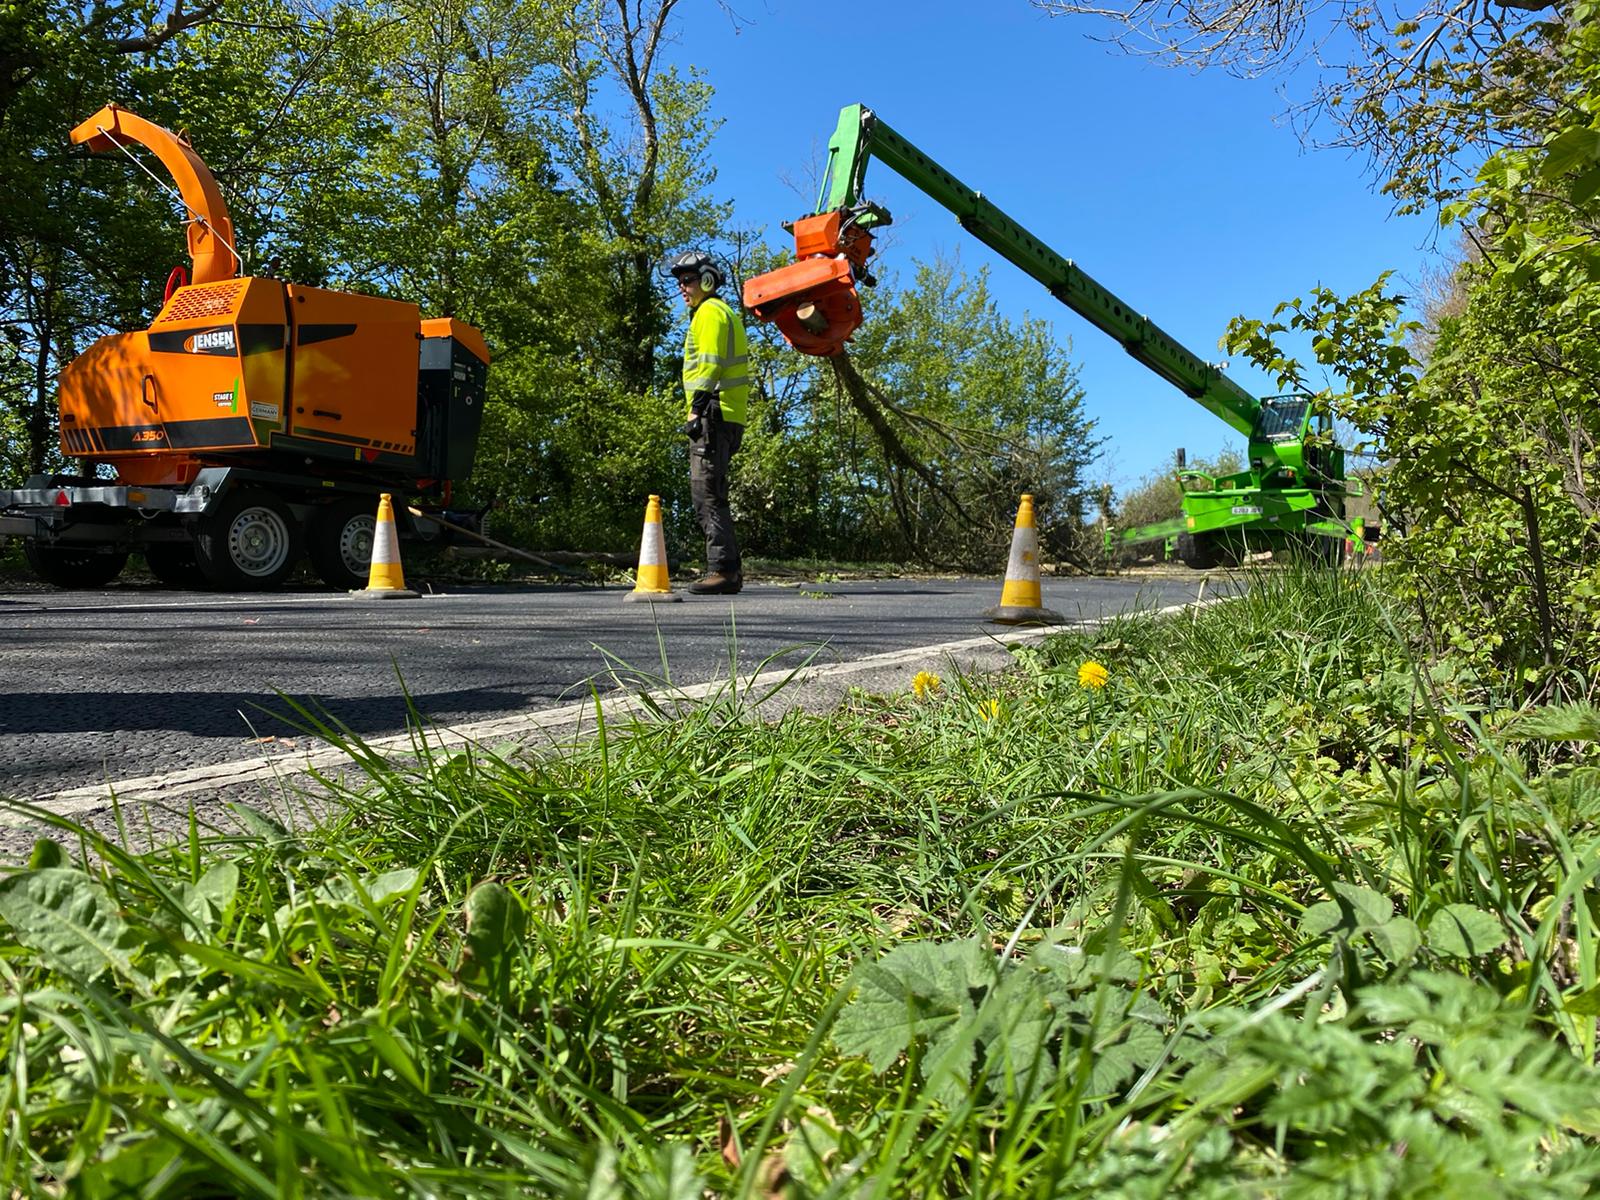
(805, 294)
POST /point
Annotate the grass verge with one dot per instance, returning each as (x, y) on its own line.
(1262, 908)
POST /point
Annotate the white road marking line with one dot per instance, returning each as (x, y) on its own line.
(174, 785)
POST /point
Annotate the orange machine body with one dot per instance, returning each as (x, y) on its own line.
(234, 368)
(813, 301)
(209, 228)
(248, 365)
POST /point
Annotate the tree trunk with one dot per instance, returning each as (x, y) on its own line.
(40, 419)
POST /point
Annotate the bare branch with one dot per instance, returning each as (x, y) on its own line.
(176, 22)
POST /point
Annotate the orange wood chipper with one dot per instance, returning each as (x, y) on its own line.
(255, 420)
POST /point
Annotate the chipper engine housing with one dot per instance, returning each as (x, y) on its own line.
(250, 367)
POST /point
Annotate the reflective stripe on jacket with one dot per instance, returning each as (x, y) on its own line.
(716, 358)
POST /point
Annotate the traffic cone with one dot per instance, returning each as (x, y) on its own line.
(1020, 600)
(652, 582)
(385, 579)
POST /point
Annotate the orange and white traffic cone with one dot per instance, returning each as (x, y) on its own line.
(652, 582)
(1021, 602)
(385, 579)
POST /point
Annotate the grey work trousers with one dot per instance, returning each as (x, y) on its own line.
(710, 455)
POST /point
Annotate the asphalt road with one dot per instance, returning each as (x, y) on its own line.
(135, 681)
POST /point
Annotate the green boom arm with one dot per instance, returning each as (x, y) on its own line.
(861, 135)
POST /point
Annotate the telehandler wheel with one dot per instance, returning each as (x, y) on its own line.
(75, 568)
(175, 564)
(339, 541)
(249, 544)
(1198, 551)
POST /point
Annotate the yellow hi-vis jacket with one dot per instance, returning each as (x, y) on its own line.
(716, 358)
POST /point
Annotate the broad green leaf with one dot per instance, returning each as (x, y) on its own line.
(283, 844)
(812, 1149)
(1586, 186)
(1320, 918)
(377, 890)
(495, 923)
(208, 900)
(1079, 968)
(47, 852)
(1020, 1023)
(1371, 908)
(1584, 1004)
(670, 1176)
(919, 990)
(1117, 1064)
(1397, 939)
(1559, 723)
(382, 888)
(260, 824)
(68, 918)
(342, 892)
(1464, 931)
(1573, 148)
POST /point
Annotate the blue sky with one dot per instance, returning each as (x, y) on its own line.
(1183, 193)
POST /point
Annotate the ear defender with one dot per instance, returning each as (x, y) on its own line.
(708, 280)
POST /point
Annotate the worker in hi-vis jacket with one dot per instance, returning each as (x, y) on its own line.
(716, 384)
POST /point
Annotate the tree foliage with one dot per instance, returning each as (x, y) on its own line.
(1488, 461)
(1490, 453)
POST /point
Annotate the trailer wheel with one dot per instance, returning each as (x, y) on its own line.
(250, 543)
(339, 542)
(75, 568)
(175, 564)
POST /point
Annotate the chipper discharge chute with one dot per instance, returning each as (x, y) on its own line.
(254, 419)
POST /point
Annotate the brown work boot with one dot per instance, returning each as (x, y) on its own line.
(718, 583)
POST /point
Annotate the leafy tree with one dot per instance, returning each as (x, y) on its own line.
(85, 242)
(74, 236)
(1490, 455)
(646, 179)
(423, 149)
(1487, 461)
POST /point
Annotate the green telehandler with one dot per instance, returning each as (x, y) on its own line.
(1291, 494)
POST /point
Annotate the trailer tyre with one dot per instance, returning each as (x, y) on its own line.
(339, 542)
(175, 564)
(251, 543)
(75, 568)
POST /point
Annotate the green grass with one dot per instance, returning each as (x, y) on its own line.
(1271, 913)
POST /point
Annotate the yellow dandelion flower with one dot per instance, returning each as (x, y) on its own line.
(924, 683)
(1093, 675)
(989, 710)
